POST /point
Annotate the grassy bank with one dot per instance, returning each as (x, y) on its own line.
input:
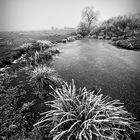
(11, 40)
(26, 81)
(24, 86)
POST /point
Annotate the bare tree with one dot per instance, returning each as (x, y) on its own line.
(90, 16)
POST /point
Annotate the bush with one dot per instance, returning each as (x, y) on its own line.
(86, 115)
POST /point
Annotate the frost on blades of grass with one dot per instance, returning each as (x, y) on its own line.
(86, 115)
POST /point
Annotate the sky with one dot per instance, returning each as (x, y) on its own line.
(17, 15)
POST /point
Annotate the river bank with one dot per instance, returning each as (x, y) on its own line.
(24, 87)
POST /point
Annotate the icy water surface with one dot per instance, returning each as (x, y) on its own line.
(96, 63)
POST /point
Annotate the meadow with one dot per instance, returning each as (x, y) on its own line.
(11, 40)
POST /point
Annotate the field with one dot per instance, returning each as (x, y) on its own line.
(11, 40)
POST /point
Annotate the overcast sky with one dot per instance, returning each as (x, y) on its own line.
(43, 14)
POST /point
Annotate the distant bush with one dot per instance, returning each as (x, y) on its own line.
(86, 115)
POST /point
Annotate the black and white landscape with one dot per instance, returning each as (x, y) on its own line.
(69, 70)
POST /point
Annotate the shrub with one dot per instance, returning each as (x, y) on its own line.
(86, 115)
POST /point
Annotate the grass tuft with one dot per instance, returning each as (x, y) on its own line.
(44, 44)
(86, 115)
(44, 76)
(26, 46)
(42, 57)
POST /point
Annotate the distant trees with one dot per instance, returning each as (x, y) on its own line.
(124, 31)
(82, 29)
(126, 25)
(89, 19)
(90, 16)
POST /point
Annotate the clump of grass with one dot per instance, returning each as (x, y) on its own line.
(26, 46)
(44, 44)
(43, 75)
(31, 47)
(54, 50)
(34, 59)
(86, 115)
(42, 57)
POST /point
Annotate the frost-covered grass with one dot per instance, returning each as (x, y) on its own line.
(43, 75)
(54, 50)
(26, 46)
(86, 115)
